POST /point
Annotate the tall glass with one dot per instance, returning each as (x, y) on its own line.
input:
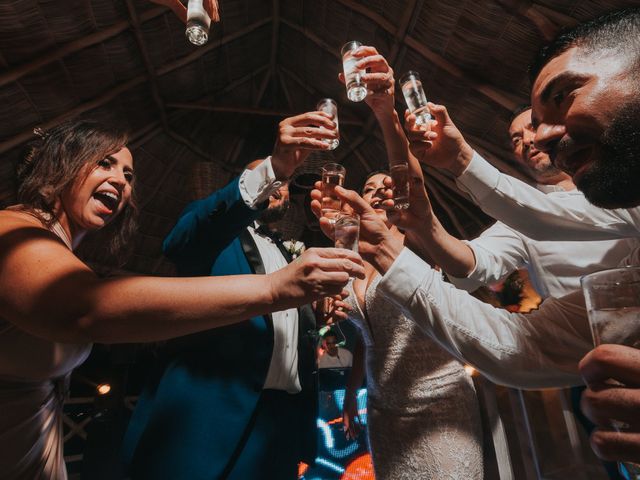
(356, 88)
(198, 22)
(612, 298)
(414, 96)
(401, 190)
(347, 231)
(333, 175)
(329, 106)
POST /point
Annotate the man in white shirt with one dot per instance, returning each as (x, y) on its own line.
(586, 87)
(555, 267)
(334, 356)
(586, 101)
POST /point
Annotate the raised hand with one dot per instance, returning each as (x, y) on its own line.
(439, 144)
(351, 417)
(297, 136)
(318, 272)
(376, 244)
(379, 79)
(180, 10)
(612, 373)
(330, 310)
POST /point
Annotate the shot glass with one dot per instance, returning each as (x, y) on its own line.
(356, 88)
(347, 231)
(400, 175)
(198, 23)
(612, 298)
(414, 97)
(329, 106)
(333, 175)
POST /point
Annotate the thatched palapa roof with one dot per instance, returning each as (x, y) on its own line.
(198, 114)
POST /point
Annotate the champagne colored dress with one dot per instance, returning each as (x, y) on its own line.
(423, 414)
(34, 375)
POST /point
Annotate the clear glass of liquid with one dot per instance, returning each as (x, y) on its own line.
(356, 88)
(612, 298)
(347, 231)
(401, 190)
(327, 105)
(198, 23)
(333, 175)
(414, 97)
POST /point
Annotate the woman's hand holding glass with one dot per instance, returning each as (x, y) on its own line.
(318, 272)
(376, 243)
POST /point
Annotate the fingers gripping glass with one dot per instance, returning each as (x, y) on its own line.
(612, 298)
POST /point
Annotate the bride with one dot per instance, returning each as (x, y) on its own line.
(423, 414)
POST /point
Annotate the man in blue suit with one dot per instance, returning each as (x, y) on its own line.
(238, 402)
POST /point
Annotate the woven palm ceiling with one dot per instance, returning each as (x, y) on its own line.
(198, 114)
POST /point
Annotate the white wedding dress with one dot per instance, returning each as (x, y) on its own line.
(423, 414)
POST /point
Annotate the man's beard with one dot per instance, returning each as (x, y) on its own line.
(545, 171)
(274, 214)
(613, 180)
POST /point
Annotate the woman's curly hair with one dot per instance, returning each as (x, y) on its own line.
(62, 156)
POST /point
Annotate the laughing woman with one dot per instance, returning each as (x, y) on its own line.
(79, 179)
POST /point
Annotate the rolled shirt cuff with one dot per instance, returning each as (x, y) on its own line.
(258, 184)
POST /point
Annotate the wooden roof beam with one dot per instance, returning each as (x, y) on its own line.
(114, 92)
(146, 58)
(74, 46)
(74, 112)
(547, 20)
(502, 98)
(212, 45)
(249, 111)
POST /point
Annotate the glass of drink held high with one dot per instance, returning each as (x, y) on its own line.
(347, 231)
(327, 105)
(333, 175)
(612, 298)
(198, 23)
(356, 88)
(401, 189)
(414, 96)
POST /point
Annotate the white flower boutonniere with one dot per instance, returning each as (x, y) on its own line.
(294, 247)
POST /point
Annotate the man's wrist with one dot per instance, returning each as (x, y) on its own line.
(462, 160)
(387, 252)
(280, 170)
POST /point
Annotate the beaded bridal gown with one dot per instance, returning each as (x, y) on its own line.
(423, 414)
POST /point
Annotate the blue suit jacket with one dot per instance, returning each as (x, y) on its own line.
(191, 418)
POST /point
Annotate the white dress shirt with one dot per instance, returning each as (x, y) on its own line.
(555, 267)
(553, 216)
(528, 351)
(255, 187)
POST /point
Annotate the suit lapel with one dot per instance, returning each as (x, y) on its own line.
(251, 252)
(255, 263)
(306, 316)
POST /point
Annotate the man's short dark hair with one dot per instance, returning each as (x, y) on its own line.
(330, 333)
(619, 30)
(517, 111)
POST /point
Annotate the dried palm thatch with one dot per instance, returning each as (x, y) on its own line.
(212, 109)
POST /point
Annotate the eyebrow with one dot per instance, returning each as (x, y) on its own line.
(561, 77)
(113, 159)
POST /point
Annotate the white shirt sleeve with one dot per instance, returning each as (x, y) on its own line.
(554, 216)
(256, 185)
(537, 350)
(498, 251)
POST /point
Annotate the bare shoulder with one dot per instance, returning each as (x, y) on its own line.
(15, 219)
(23, 232)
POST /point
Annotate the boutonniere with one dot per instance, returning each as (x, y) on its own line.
(294, 247)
